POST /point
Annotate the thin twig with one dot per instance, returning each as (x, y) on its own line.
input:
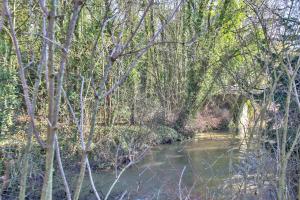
(61, 169)
(179, 184)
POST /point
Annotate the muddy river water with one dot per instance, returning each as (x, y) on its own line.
(198, 168)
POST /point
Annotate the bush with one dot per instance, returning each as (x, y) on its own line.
(9, 100)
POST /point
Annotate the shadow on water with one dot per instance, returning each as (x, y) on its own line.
(206, 161)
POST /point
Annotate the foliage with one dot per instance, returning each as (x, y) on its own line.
(9, 100)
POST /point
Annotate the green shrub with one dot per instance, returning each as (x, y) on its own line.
(9, 100)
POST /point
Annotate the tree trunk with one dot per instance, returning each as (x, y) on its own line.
(284, 158)
(48, 176)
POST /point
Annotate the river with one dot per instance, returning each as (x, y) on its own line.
(196, 168)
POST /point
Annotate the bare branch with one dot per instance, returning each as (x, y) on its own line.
(61, 169)
(179, 184)
(22, 75)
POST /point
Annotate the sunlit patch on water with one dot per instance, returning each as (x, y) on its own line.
(173, 156)
(152, 164)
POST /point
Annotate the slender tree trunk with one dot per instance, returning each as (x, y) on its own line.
(80, 177)
(25, 166)
(298, 181)
(48, 177)
(283, 158)
(24, 169)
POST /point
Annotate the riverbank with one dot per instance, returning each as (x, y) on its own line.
(112, 147)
